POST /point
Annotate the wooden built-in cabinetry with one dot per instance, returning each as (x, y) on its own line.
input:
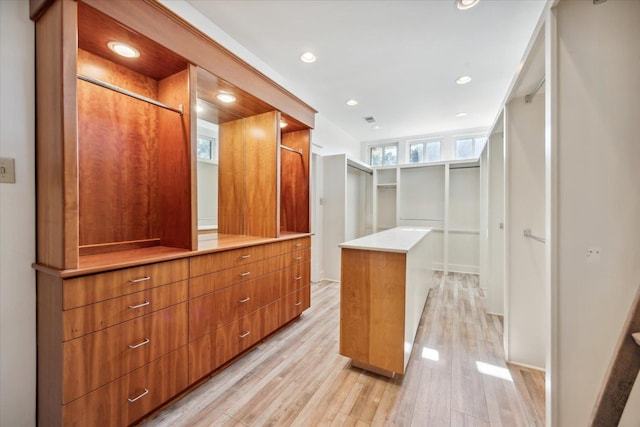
(133, 308)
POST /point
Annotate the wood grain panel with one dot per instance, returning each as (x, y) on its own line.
(101, 357)
(294, 182)
(156, 22)
(94, 317)
(293, 304)
(231, 178)
(250, 329)
(214, 310)
(262, 171)
(216, 281)
(176, 163)
(108, 406)
(95, 30)
(116, 139)
(212, 350)
(49, 335)
(295, 277)
(372, 308)
(98, 287)
(271, 318)
(210, 263)
(56, 153)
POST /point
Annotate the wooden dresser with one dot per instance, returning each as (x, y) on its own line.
(134, 308)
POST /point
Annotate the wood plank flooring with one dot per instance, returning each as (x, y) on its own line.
(456, 375)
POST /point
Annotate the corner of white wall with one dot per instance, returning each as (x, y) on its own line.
(17, 218)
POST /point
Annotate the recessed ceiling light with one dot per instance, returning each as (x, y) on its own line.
(461, 114)
(466, 4)
(226, 97)
(308, 57)
(352, 102)
(283, 124)
(463, 80)
(376, 127)
(123, 49)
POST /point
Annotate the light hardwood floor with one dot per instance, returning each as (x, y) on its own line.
(456, 375)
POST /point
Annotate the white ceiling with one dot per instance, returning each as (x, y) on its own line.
(399, 59)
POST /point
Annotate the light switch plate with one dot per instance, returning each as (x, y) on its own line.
(7, 170)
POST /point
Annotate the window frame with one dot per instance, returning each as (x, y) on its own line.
(424, 143)
(395, 145)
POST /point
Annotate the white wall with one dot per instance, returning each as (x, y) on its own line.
(207, 175)
(598, 194)
(17, 218)
(495, 281)
(525, 330)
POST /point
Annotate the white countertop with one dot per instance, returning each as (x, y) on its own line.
(399, 239)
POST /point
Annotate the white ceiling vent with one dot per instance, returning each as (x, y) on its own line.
(369, 119)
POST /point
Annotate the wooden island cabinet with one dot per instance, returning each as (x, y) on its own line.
(384, 284)
(134, 308)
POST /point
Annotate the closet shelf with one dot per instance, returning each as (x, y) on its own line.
(389, 185)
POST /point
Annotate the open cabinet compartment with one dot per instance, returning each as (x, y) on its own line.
(128, 163)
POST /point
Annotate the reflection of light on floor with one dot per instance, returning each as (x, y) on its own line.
(431, 354)
(494, 371)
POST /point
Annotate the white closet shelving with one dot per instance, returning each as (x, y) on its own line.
(347, 207)
(444, 196)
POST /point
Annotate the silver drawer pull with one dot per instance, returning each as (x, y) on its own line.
(245, 256)
(133, 307)
(299, 277)
(246, 273)
(144, 393)
(298, 245)
(142, 279)
(243, 300)
(298, 303)
(298, 257)
(244, 334)
(145, 342)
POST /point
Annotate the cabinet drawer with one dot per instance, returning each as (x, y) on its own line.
(129, 398)
(296, 257)
(90, 318)
(211, 311)
(293, 304)
(98, 358)
(215, 281)
(212, 350)
(215, 348)
(210, 263)
(295, 277)
(85, 290)
(297, 244)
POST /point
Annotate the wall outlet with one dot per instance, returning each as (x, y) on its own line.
(593, 254)
(7, 170)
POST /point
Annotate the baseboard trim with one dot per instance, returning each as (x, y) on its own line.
(524, 365)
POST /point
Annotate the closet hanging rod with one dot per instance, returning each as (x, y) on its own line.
(361, 169)
(129, 93)
(529, 98)
(527, 233)
(284, 147)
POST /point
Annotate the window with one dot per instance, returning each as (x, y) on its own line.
(467, 148)
(207, 149)
(384, 155)
(464, 148)
(424, 151)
